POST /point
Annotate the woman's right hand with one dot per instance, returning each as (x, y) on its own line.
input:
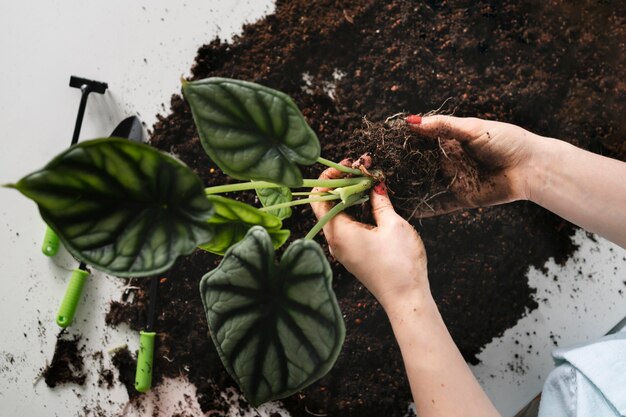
(505, 151)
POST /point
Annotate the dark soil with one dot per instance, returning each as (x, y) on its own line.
(124, 361)
(67, 363)
(552, 67)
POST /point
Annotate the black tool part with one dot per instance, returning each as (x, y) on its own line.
(86, 86)
(129, 128)
(152, 303)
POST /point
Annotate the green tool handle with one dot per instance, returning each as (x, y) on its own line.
(51, 242)
(71, 298)
(143, 376)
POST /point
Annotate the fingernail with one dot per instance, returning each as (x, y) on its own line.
(413, 119)
(380, 188)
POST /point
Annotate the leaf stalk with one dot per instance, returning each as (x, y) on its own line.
(252, 185)
(301, 201)
(339, 167)
(338, 208)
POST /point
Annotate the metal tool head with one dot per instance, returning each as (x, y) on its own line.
(89, 85)
(129, 128)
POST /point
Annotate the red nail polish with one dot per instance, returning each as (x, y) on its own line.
(380, 188)
(413, 119)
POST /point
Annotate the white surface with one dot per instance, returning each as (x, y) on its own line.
(141, 49)
(579, 301)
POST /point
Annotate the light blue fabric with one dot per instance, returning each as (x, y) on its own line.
(589, 381)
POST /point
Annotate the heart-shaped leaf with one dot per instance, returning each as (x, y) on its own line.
(277, 328)
(250, 131)
(123, 207)
(232, 220)
(271, 196)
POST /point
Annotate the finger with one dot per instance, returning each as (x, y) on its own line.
(322, 207)
(463, 129)
(333, 173)
(364, 160)
(382, 209)
(341, 229)
(340, 223)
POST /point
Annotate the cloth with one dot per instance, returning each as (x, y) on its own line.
(589, 381)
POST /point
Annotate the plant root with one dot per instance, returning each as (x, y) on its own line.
(409, 162)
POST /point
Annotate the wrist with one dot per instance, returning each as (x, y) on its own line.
(408, 304)
(536, 172)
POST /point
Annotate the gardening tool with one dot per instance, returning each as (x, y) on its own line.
(51, 243)
(143, 375)
(129, 128)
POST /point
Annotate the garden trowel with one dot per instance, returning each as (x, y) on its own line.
(129, 128)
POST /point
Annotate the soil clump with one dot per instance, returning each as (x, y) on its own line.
(67, 363)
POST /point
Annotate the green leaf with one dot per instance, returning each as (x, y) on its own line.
(232, 220)
(250, 131)
(124, 208)
(270, 196)
(277, 328)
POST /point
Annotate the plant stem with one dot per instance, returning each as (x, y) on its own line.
(241, 186)
(338, 208)
(340, 167)
(301, 201)
(251, 185)
(298, 193)
(359, 188)
(341, 182)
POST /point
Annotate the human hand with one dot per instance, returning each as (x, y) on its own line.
(389, 258)
(504, 151)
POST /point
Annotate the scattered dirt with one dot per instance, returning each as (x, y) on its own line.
(106, 377)
(126, 364)
(552, 67)
(67, 363)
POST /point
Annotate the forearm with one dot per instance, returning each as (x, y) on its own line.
(587, 189)
(441, 382)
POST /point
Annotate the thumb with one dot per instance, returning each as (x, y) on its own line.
(382, 209)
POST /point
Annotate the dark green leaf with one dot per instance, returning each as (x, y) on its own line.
(277, 328)
(123, 207)
(232, 220)
(270, 196)
(250, 131)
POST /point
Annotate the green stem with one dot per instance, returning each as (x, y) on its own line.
(301, 193)
(301, 201)
(338, 208)
(341, 182)
(349, 191)
(340, 167)
(242, 186)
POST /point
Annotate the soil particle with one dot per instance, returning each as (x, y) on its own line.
(550, 67)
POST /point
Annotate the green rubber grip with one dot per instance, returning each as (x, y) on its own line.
(51, 243)
(143, 376)
(71, 298)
